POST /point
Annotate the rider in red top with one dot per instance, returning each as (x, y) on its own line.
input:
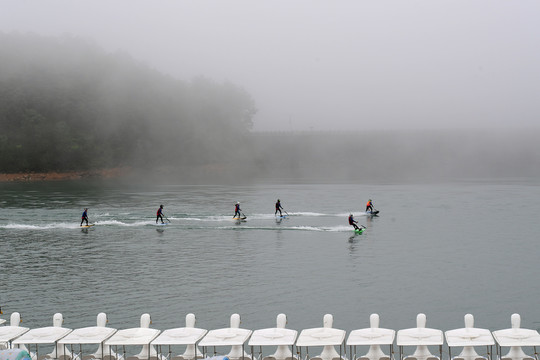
(353, 222)
(237, 210)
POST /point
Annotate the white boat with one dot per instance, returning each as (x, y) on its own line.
(188, 336)
(2, 321)
(279, 336)
(10, 332)
(515, 338)
(469, 337)
(374, 337)
(234, 336)
(89, 335)
(421, 337)
(141, 336)
(46, 335)
(325, 336)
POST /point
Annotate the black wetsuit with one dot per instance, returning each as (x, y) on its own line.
(159, 215)
(84, 217)
(278, 208)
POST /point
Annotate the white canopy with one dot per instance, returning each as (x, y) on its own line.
(371, 336)
(419, 336)
(45, 335)
(273, 336)
(88, 335)
(517, 337)
(226, 337)
(180, 336)
(133, 336)
(2, 321)
(469, 337)
(8, 333)
(321, 337)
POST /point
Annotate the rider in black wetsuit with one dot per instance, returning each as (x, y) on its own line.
(159, 214)
(84, 216)
(278, 208)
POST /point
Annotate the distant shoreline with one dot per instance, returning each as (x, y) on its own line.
(66, 175)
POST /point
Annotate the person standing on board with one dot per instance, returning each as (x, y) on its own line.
(237, 210)
(278, 208)
(159, 214)
(84, 216)
(353, 222)
(369, 206)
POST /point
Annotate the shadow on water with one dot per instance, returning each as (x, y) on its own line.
(356, 242)
(214, 267)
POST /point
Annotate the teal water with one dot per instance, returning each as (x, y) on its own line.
(441, 249)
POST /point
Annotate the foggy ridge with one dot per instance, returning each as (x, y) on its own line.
(67, 105)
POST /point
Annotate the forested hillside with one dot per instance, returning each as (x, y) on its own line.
(67, 105)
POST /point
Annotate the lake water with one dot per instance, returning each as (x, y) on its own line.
(441, 249)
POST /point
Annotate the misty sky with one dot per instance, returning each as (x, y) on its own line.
(333, 64)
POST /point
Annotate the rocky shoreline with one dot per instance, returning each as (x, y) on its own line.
(67, 175)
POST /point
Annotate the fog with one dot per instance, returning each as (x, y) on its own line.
(327, 65)
(229, 91)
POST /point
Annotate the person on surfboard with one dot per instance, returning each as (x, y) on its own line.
(84, 216)
(278, 208)
(353, 222)
(237, 210)
(369, 206)
(159, 214)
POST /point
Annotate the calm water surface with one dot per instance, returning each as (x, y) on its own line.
(441, 249)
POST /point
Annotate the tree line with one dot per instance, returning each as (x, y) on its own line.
(67, 105)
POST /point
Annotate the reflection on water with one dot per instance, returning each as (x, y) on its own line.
(437, 249)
